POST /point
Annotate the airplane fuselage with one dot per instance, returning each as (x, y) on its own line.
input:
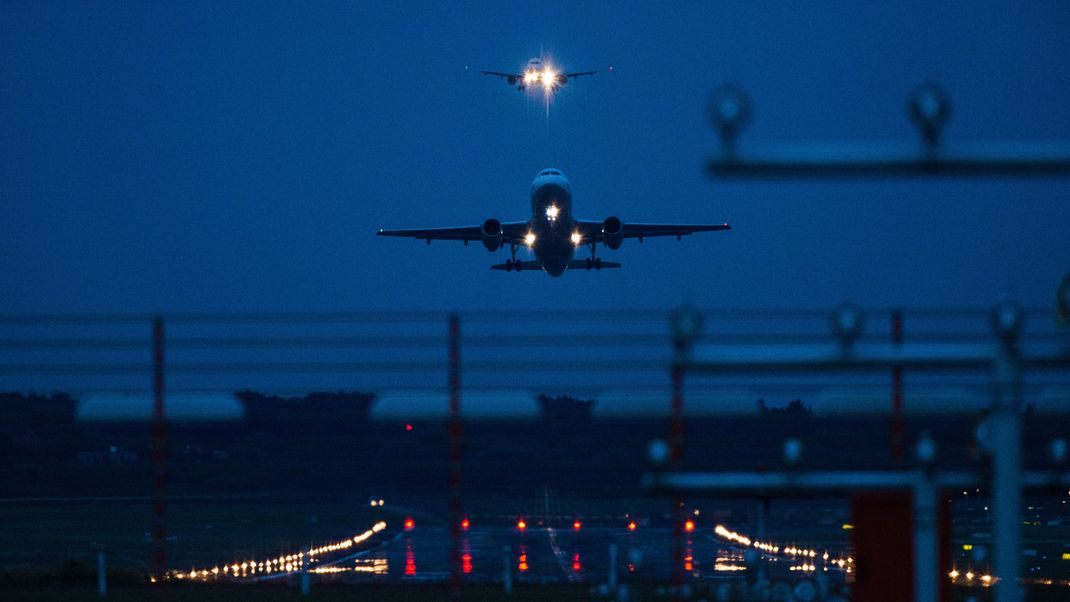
(552, 225)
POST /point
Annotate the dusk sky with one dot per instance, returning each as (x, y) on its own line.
(241, 156)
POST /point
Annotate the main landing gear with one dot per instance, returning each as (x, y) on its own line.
(513, 264)
(593, 262)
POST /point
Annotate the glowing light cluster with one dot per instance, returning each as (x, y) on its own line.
(282, 564)
(547, 77)
(971, 578)
(793, 551)
(552, 212)
(766, 547)
(807, 555)
(732, 535)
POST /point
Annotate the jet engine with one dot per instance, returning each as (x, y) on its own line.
(561, 79)
(512, 80)
(613, 232)
(492, 234)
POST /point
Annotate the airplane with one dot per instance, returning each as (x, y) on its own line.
(552, 233)
(535, 73)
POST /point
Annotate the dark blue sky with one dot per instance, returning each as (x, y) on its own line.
(216, 156)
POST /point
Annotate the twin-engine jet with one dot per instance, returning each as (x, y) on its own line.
(552, 233)
(537, 73)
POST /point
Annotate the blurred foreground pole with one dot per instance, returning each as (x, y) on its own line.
(612, 579)
(1006, 453)
(306, 578)
(897, 392)
(102, 573)
(685, 324)
(159, 451)
(456, 442)
(507, 570)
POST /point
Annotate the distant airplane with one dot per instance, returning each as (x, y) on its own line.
(537, 73)
(552, 233)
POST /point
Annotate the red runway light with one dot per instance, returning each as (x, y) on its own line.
(408, 427)
(576, 525)
(465, 524)
(631, 526)
(410, 524)
(689, 526)
(521, 525)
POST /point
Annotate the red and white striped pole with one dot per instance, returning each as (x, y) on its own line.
(676, 460)
(456, 442)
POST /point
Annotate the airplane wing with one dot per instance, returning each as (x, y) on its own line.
(505, 75)
(593, 230)
(512, 232)
(579, 73)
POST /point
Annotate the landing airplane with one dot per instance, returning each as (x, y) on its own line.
(552, 233)
(537, 73)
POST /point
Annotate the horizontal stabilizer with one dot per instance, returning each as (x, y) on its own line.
(518, 266)
(575, 264)
(584, 264)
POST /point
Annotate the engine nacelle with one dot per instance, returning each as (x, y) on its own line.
(561, 79)
(512, 80)
(492, 234)
(613, 232)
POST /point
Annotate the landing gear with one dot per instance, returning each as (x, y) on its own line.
(514, 263)
(593, 262)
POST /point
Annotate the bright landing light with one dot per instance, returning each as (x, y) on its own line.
(552, 212)
(548, 79)
(531, 77)
(576, 239)
(529, 239)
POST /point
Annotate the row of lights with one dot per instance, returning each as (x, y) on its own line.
(282, 564)
(986, 579)
(793, 551)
